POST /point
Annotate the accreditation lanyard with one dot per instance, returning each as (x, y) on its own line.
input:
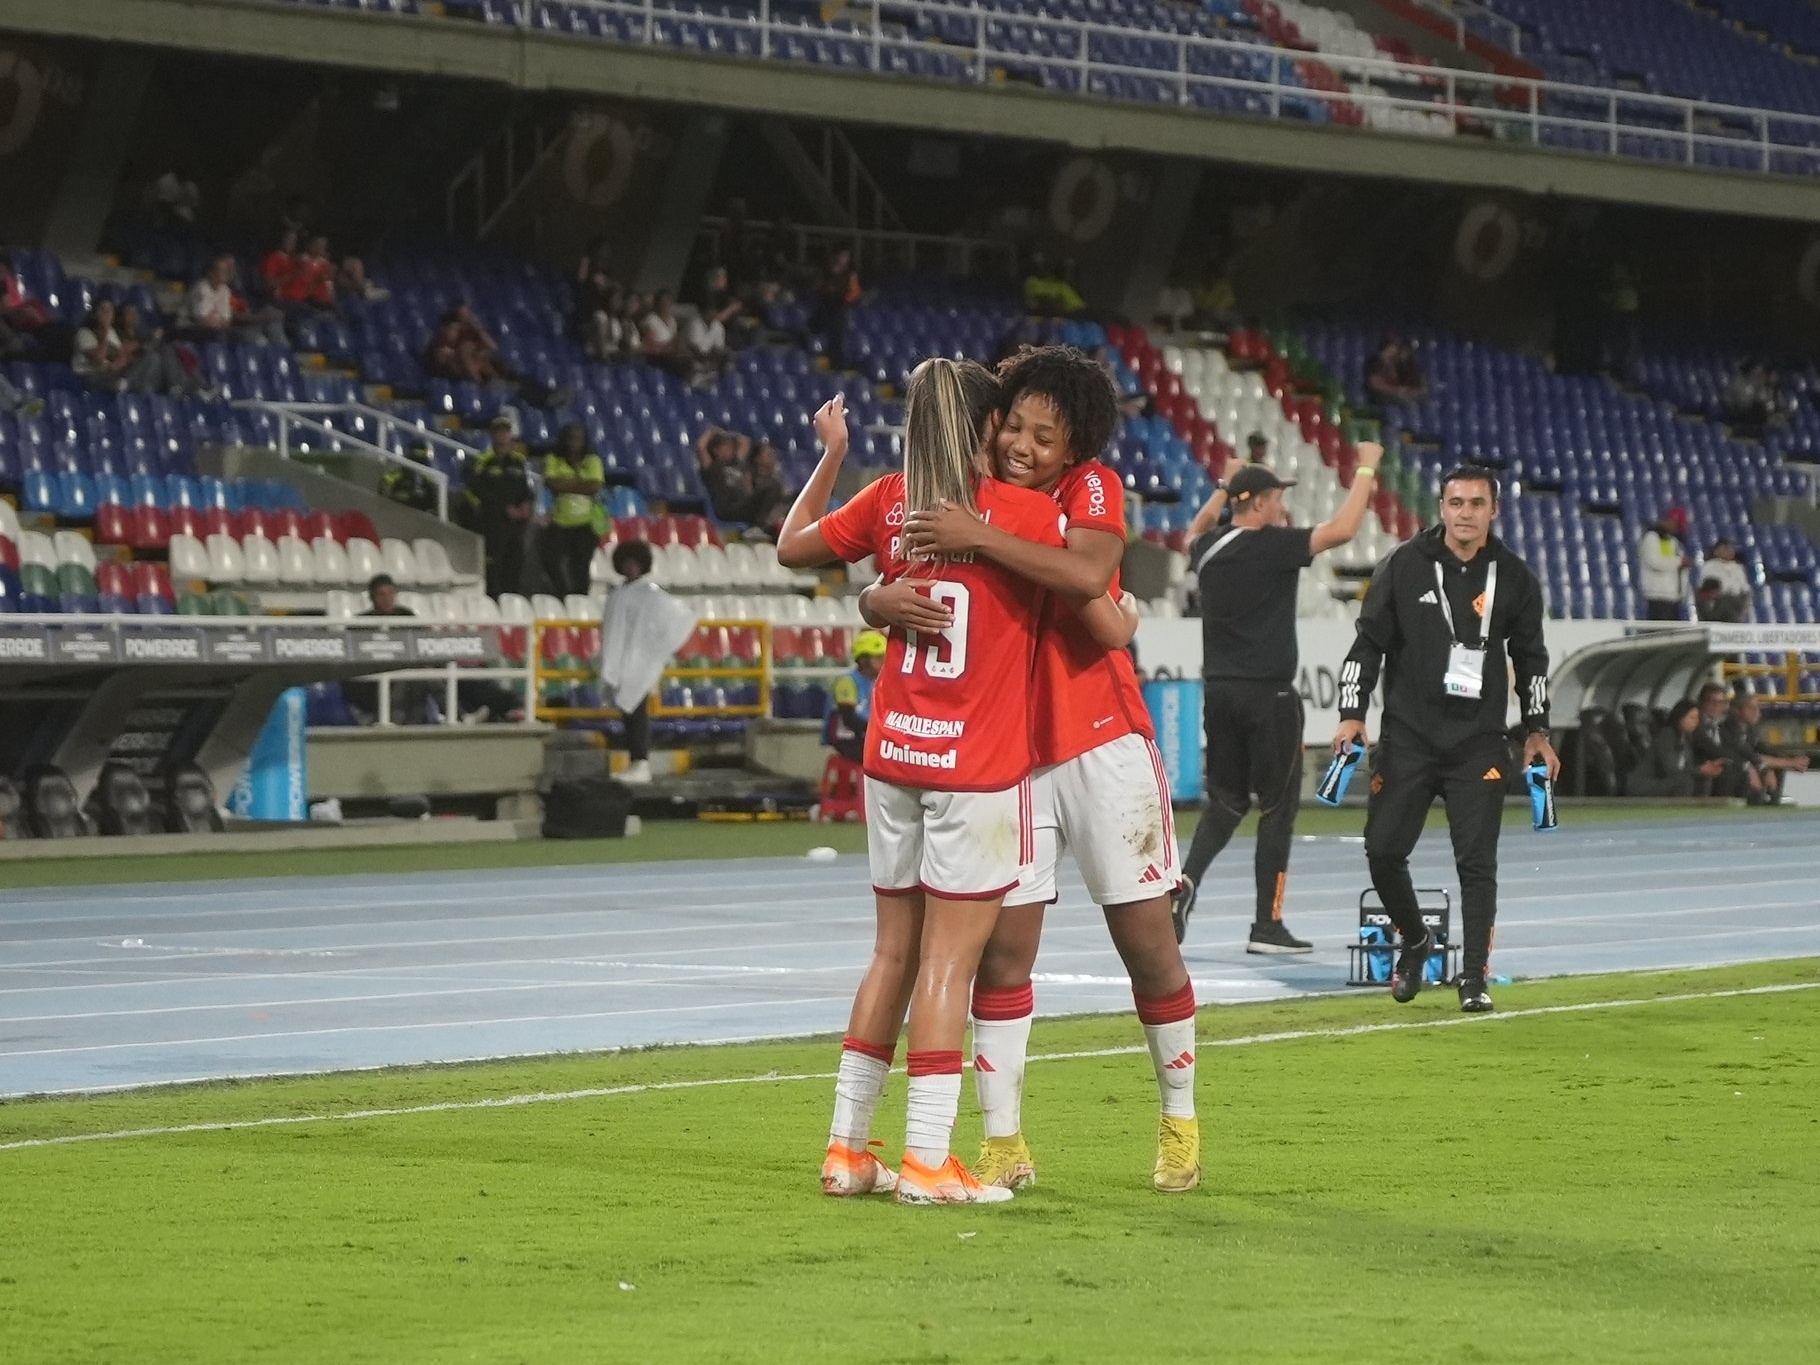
(1465, 676)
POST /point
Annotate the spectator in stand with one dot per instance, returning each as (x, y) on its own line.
(595, 320)
(1724, 591)
(642, 628)
(1749, 401)
(354, 283)
(280, 264)
(573, 474)
(661, 341)
(630, 333)
(163, 364)
(1047, 292)
(769, 499)
(28, 329)
(1712, 746)
(1670, 769)
(501, 485)
(837, 289)
(1743, 730)
(1662, 565)
(480, 699)
(310, 283)
(1257, 448)
(721, 458)
(175, 199)
(1393, 375)
(409, 487)
(13, 399)
(461, 349)
(719, 310)
(109, 362)
(213, 311)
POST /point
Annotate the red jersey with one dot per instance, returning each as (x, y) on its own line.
(1086, 694)
(952, 712)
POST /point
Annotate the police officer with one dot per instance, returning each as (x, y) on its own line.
(407, 486)
(501, 486)
(573, 475)
(850, 707)
(1248, 572)
(1443, 613)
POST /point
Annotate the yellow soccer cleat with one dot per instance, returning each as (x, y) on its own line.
(1178, 1155)
(1005, 1162)
(849, 1171)
(949, 1183)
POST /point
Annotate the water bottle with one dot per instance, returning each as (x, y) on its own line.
(1541, 797)
(1332, 789)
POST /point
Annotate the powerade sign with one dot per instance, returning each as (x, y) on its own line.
(161, 647)
(451, 648)
(1175, 711)
(24, 644)
(312, 647)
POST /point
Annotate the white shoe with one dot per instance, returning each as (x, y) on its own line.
(949, 1183)
(637, 774)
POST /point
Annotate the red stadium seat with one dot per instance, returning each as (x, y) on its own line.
(152, 582)
(787, 646)
(318, 525)
(838, 646)
(113, 525)
(150, 529)
(217, 521)
(114, 578)
(631, 528)
(9, 553)
(185, 521)
(663, 530)
(284, 521)
(355, 526)
(512, 643)
(843, 791)
(253, 521)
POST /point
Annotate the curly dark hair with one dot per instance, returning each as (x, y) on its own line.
(1080, 387)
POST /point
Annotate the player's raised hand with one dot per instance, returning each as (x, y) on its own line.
(946, 531)
(831, 426)
(906, 605)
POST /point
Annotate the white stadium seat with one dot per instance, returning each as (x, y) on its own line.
(339, 602)
(547, 608)
(400, 562)
(72, 548)
(364, 561)
(9, 521)
(580, 607)
(601, 570)
(714, 566)
(296, 565)
(259, 558)
(515, 608)
(189, 558)
(433, 567)
(332, 568)
(226, 563)
(37, 548)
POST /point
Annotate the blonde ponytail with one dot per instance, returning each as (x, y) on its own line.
(947, 404)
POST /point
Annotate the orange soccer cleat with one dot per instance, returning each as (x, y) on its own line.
(854, 1170)
(949, 1183)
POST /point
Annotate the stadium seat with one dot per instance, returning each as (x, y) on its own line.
(189, 559)
(296, 564)
(332, 567)
(364, 561)
(400, 563)
(114, 583)
(152, 589)
(114, 525)
(259, 558)
(226, 562)
(433, 567)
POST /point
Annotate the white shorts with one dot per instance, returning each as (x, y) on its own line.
(1110, 808)
(964, 846)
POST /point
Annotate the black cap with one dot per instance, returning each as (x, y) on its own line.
(1252, 480)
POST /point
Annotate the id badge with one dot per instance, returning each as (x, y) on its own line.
(1465, 672)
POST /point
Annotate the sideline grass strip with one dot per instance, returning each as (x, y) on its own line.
(1618, 1184)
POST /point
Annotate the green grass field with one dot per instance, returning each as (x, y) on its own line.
(1636, 1183)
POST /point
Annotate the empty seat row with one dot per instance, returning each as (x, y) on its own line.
(324, 562)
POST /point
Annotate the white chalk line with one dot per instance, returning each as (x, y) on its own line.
(769, 1078)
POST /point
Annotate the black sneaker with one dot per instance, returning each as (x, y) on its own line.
(1412, 969)
(1274, 937)
(1474, 998)
(1181, 906)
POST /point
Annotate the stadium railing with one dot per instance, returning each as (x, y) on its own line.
(982, 45)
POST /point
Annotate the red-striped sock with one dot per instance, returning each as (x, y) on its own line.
(1169, 1033)
(1001, 1042)
(857, 1088)
(935, 1098)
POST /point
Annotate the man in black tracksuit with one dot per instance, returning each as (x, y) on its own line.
(1445, 696)
(1248, 573)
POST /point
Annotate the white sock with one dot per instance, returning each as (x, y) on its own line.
(1001, 1043)
(857, 1088)
(1172, 1054)
(935, 1099)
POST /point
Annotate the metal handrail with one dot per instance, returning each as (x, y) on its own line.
(304, 415)
(1456, 12)
(1524, 97)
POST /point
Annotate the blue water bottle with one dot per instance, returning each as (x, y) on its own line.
(1541, 797)
(1332, 788)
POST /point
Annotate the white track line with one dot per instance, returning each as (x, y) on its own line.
(604, 1092)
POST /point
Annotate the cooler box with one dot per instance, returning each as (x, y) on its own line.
(1175, 711)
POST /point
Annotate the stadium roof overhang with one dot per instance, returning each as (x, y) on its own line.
(531, 60)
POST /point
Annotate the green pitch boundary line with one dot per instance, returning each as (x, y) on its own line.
(606, 1092)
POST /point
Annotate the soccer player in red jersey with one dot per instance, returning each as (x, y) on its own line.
(1099, 789)
(948, 760)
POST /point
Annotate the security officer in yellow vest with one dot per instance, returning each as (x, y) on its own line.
(574, 475)
(500, 485)
(408, 487)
